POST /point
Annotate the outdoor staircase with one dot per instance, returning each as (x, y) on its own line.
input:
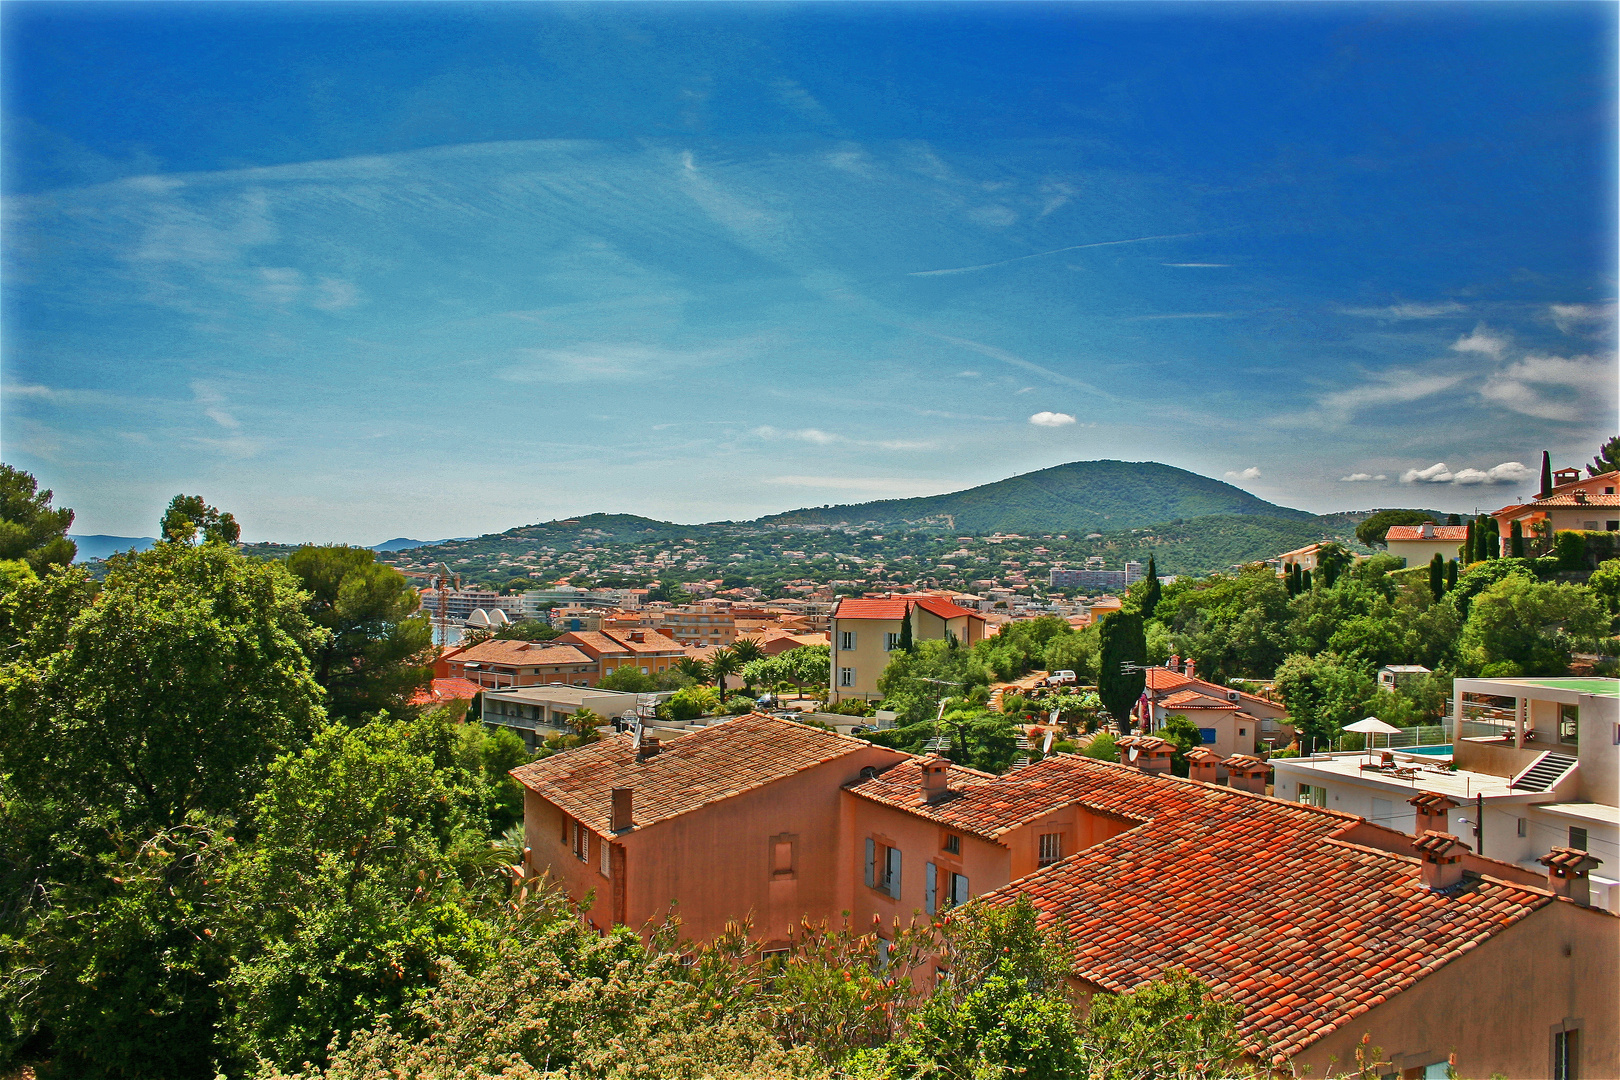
(1543, 773)
(1024, 747)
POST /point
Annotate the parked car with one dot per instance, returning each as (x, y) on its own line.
(1061, 678)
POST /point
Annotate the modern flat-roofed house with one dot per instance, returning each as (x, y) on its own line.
(539, 712)
(1418, 544)
(865, 632)
(1591, 504)
(1541, 757)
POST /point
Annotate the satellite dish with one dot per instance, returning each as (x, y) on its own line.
(1133, 753)
(1046, 747)
(1054, 717)
(635, 738)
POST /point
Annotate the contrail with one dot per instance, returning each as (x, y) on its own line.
(1043, 254)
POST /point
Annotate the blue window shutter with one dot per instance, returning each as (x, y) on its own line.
(894, 872)
(1207, 734)
(959, 889)
(933, 888)
(871, 863)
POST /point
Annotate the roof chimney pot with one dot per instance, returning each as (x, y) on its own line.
(649, 748)
(1567, 873)
(1432, 810)
(1442, 860)
(623, 801)
(936, 778)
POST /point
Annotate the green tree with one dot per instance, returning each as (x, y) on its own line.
(376, 651)
(1171, 1026)
(1154, 593)
(1437, 576)
(1469, 554)
(1605, 586)
(1372, 531)
(906, 643)
(189, 515)
(1607, 458)
(1184, 735)
(369, 848)
(527, 630)
(722, 664)
(628, 680)
(30, 530)
(1546, 476)
(913, 684)
(1516, 540)
(1122, 643)
(1323, 693)
(492, 752)
(669, 591)
(1523, 627)
(690, 703)
(1332, 559)
(1451, 574)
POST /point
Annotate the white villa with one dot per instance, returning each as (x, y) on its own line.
(1535, 763)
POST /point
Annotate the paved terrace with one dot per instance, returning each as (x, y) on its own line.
(1424, 775)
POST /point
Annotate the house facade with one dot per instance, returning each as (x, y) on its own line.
(1319, 925)
(864, 633)
(1591, 504)
(1419, 544)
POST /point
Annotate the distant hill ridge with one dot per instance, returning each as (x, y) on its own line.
(1100, 496)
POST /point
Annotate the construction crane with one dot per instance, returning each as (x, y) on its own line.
(440, 579)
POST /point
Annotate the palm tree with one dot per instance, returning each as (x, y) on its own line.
(746, 650)
(724, 662)
(692, 668)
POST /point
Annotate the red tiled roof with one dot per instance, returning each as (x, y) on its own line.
(1569, 860)
(599, 642)
(1258, 897)
(1458, 533)
(979, 803)
(442, 690)
(895, 608)
(711, 764)
(520, 654)
(1160, 679)
(1192, 699)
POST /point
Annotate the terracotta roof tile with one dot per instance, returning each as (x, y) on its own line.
(520, 654)
(895, 608)
(442, 690)
(1302, 929)
(711, 764)
(1569, 860)
(1192, 699)
(1458, 533)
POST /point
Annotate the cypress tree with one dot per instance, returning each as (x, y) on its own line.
(1305, 581)
(1546, 476)
(1437, 576)
(1468, 546)
(905, 631)
(1493, 539)
(1453, 519)
(1123, 642)
(1451, 574)
(1150, 599)
(1516, 540)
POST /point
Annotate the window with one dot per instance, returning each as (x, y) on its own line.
(1051, 848)
(943, 889)
(1524, 826)
(931, 888)
(1577, 838)
(959, 889)
(846, 676)
(1242, 731)
(1312, 796)
(1565, 1056)
(603, 852)
(891, 642)
(883, 868)
(582, 843)
(1207, 734)
(1569, 724)
(846, 640)
(953, 844)
(1611, 526)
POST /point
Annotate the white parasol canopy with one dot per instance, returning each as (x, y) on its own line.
(1373, 726)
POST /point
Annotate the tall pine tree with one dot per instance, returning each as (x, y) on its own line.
(1150, 599)
(1437, 576)
(905, 631)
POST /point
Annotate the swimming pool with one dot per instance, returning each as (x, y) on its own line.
(1428, 751)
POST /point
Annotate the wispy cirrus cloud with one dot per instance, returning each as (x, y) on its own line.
(1483, 342)
(1583, 318)
(1552, 387)
(1386, 388)
(817, 437)
(1408, 311)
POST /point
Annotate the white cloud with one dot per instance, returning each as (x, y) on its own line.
(1510, 472)
(818, 437)
(1389, 388)
(1572, 318)
(1251, 473)
(1434, 474)
(1573, 378)
(1051, 419)
(1361, 477)
(1481, 341)
(1408, 311)
(967, 374)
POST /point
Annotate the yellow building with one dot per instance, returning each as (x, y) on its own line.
(865, 632)
(1418, 544)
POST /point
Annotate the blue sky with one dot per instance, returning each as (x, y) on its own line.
(358, 271)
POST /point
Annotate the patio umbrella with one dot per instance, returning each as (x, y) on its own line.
(1372, 726)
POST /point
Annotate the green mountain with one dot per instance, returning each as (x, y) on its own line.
(1082, 496)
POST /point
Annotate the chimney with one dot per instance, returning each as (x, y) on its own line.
(1442, 860)
(1246, 773)
(1175, 662)
(1149, 753)
(649, 748)
(1426, 530)
(1431, 812)
(1204, 764)
(623, 798)
(638, 635)
(1567, 873)
(1191, 671)
(936, 781)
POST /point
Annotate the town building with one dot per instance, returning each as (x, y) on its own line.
(502, 663)
(1092, 580)
(1419, 544)
(1319, 925)
(1539, 757)
(1589, 504)
(538, 712)
(700, 624)
(648, 652)
(1229, 721)
(866, 631)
